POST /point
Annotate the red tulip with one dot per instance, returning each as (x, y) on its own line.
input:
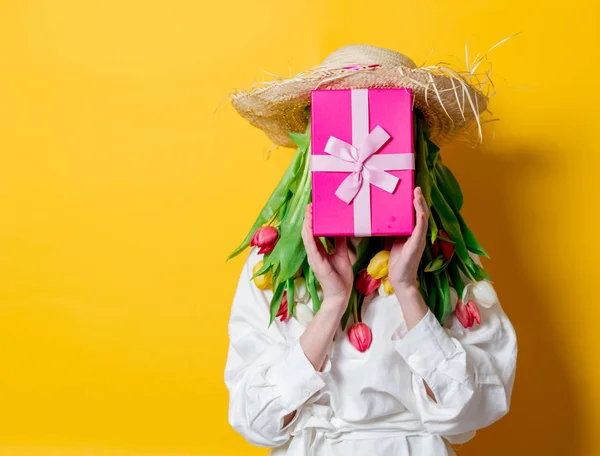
(360, 336)
(447, 248)
(282, 313)
(265, 238)
(467, 314)
(366, 284)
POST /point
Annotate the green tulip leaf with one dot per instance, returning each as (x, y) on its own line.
(277, 199)
(276, 302)
(427, 256)
(290, 297)
(435, 265)
(471, 269)
(433, 228)
(300, 139)
(432, 151)
(445, 239)
(311, 285)
(470, 239)
(446, 305)
(450, 189)
(422, 176)
(449, 222)
(437, 305)
(449, 186)
(263, 270)
(478, 272)
(467, 267)
(281, 212)
(432, 294)
(289, 250)
(455, 278)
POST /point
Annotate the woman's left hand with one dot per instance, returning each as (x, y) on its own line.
(406, 253)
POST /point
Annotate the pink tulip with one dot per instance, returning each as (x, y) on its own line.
(467, 314)
(265, 238)
(463, 314)
(366, 284)
(474, 311)
(282, 313)
(360, 336)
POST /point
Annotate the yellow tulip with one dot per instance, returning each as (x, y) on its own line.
(263, 281)
(378, 266)
(387, 286)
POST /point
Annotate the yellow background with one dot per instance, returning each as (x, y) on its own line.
(126, 178)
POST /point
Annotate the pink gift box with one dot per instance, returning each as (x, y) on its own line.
(362, 162)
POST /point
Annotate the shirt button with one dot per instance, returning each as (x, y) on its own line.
(306, 393)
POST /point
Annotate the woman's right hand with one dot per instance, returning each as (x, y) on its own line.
(334, 272)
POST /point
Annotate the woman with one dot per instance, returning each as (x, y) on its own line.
(305, 390)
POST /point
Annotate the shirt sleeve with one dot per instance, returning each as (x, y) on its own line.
(470, 371)
(267, 376)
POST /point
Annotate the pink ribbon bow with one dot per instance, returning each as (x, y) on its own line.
(360, 160)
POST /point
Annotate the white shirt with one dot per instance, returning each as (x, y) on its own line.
(371, 403)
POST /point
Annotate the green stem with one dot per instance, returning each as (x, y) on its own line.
(355, 309)
(466, 269)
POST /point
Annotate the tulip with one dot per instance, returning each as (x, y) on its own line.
(385, 287)
(263, 281)
(304, 314)
(365, 283)
(463, 315)
(282, 313)
(453, 298)
(360, 336)
(484, 294)
(300, 291)
(474, 311)
(447, 248)
(378, 266)
(265, 239)
(467, 314)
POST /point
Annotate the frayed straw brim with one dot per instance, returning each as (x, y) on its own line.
(447, 99)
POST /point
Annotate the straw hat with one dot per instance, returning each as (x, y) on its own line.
(446, 98)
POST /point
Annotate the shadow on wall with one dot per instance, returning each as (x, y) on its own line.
(544, 416)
